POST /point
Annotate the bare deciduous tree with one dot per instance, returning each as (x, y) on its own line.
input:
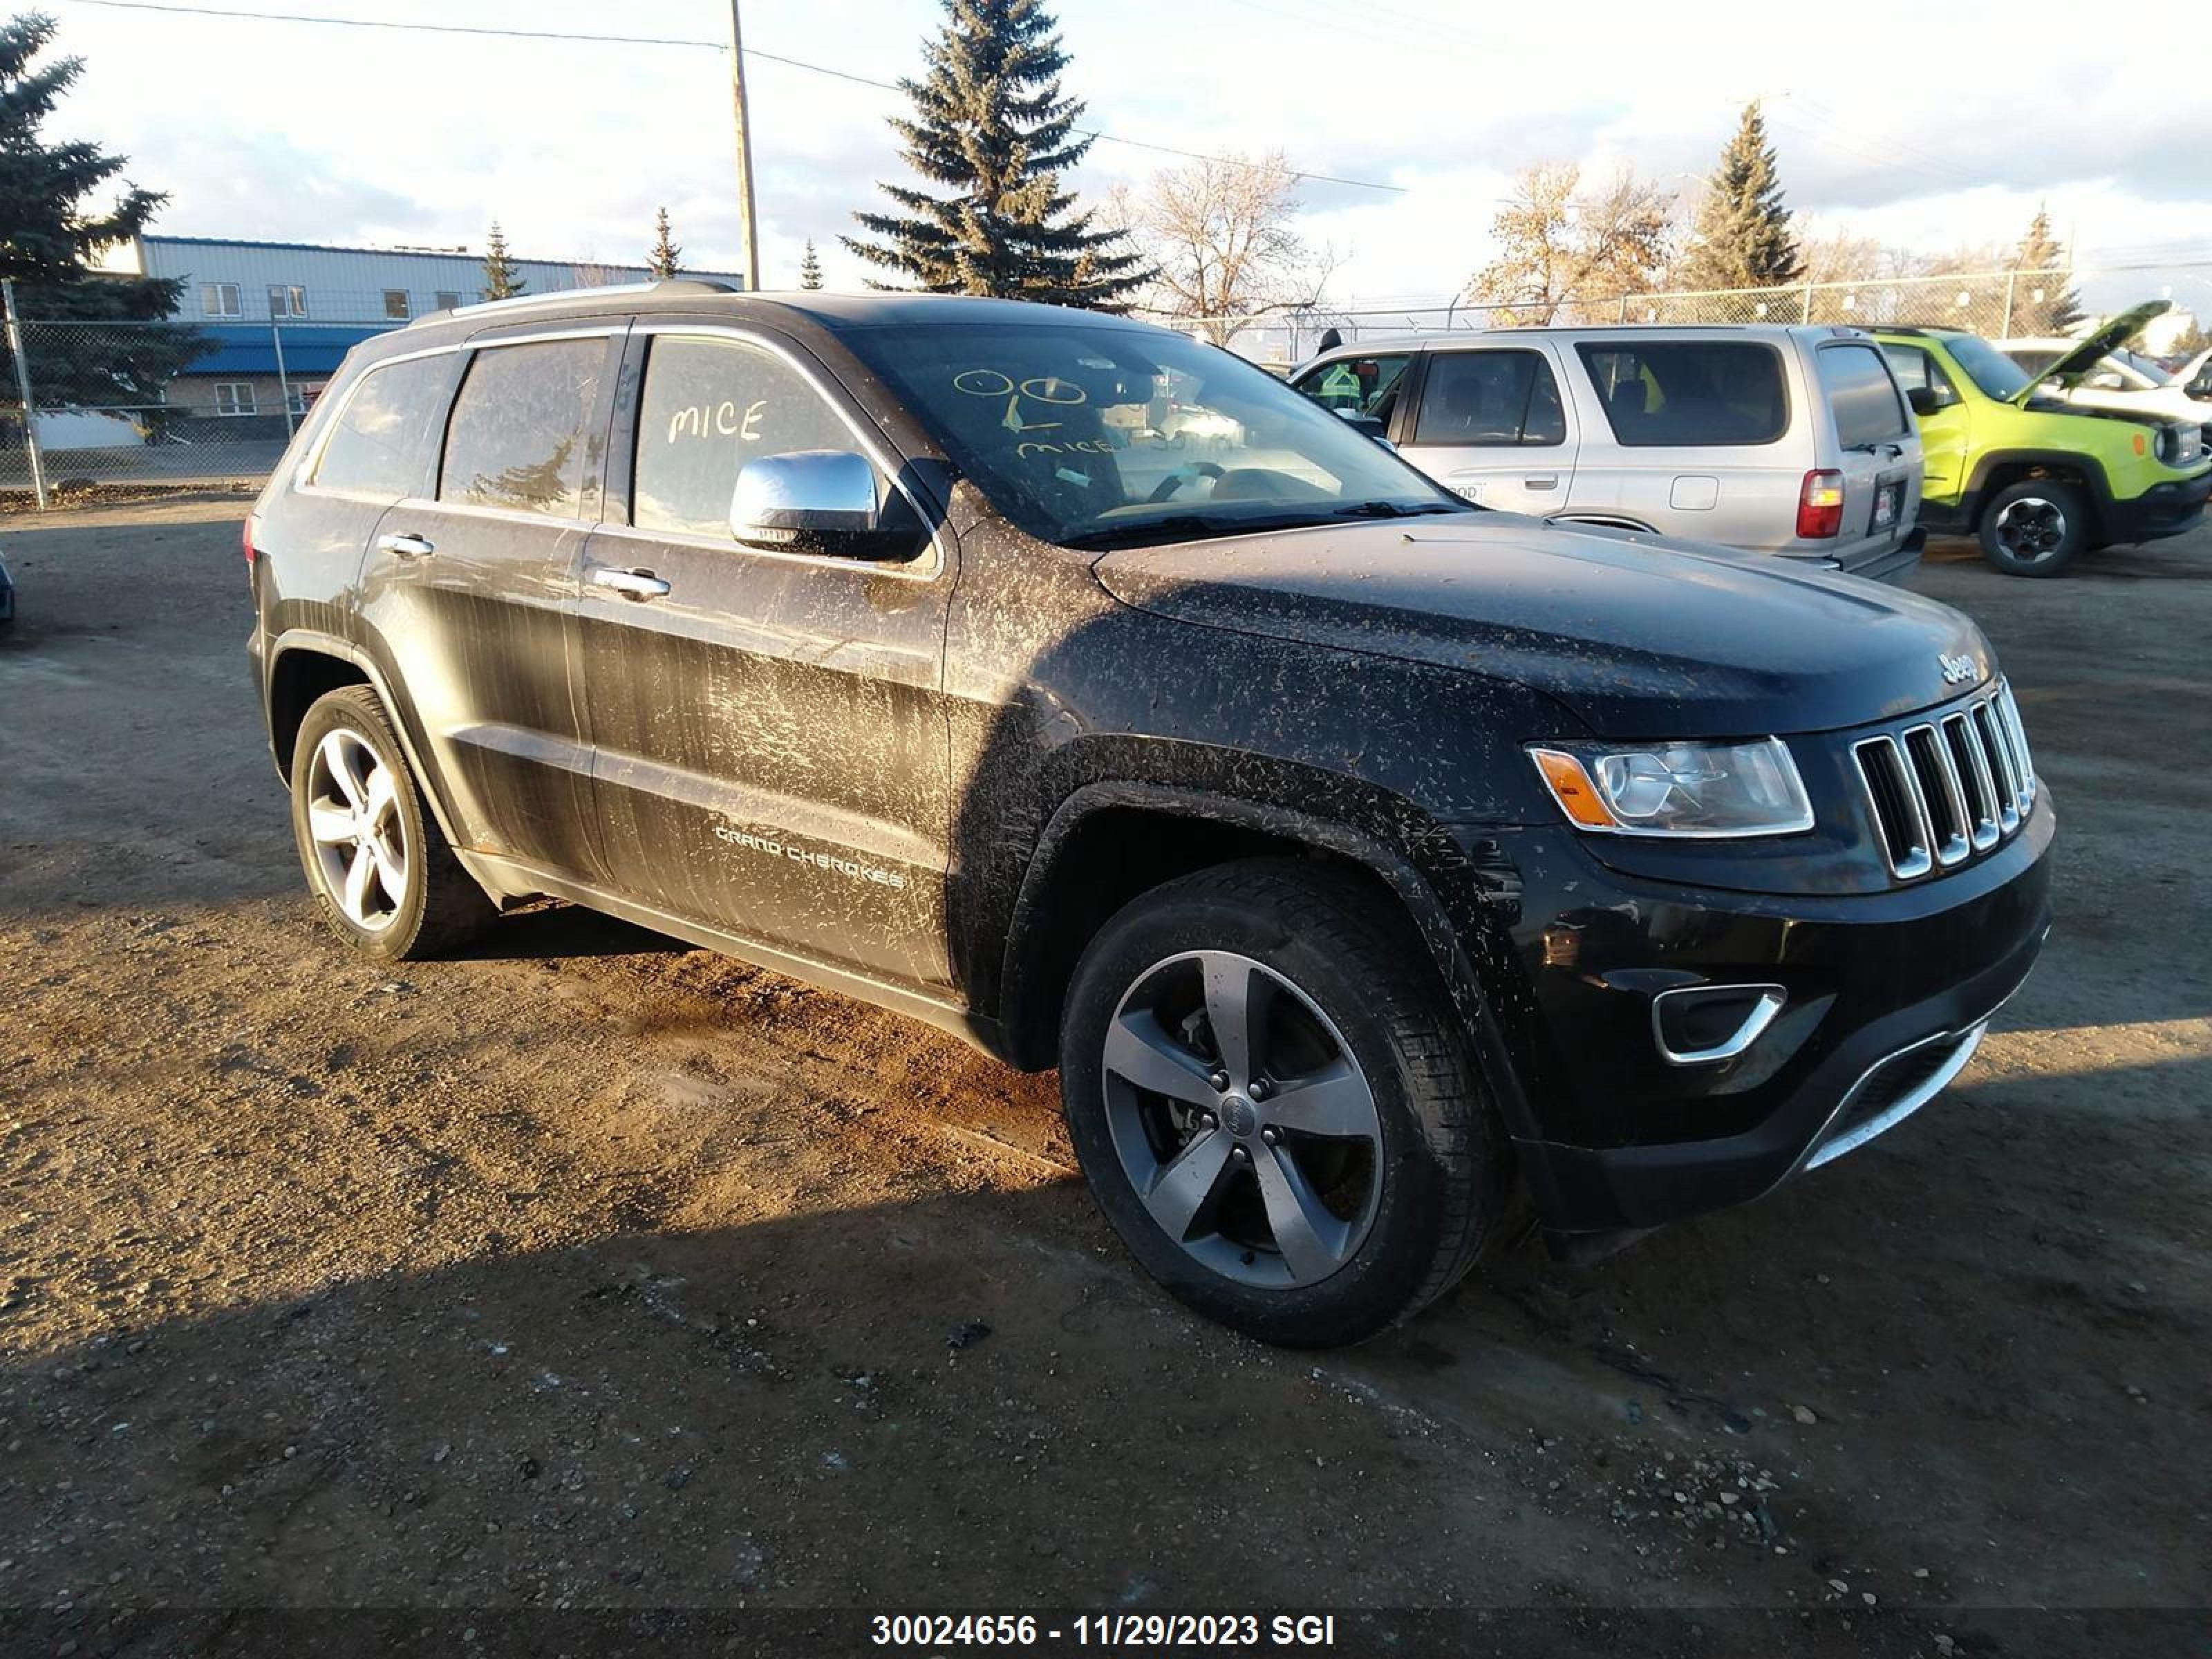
(1560, 248)
(1222, 234)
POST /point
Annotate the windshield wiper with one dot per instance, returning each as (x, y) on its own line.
(1394, 510)
(1180, 526)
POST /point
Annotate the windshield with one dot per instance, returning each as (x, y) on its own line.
(2141, 365)
(1988, 367)
(1098, 435)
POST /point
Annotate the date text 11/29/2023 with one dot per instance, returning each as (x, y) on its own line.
(1105, 1630)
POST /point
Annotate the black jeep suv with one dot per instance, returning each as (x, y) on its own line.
(1363, 859)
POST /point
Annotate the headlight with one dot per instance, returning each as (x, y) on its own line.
(1678, 789)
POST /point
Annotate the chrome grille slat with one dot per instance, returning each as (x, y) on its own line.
(1939, 792)
(1966, 746)
(2000, 763)
(1950, 787)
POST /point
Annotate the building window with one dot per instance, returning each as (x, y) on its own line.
(287, 299)
(233, 398)
(395, 303)
(448, 300)
(221, 300)
(296, 399)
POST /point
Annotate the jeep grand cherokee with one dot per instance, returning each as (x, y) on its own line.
(1361, 859)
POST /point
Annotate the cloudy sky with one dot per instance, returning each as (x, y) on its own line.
(291, 132)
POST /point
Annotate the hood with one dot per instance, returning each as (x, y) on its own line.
(2075, 366)
(1640, 637)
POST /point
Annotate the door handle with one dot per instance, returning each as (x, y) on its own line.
(1545, 480)
(407, 546)
(630, 584)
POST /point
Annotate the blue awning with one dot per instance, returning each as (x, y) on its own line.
(310, 348)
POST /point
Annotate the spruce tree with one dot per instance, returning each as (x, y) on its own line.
(51, 231)
(1743, 237)
(992, 130)
(499, 281)
(810, 267)
(660, 259)
(2047, 302)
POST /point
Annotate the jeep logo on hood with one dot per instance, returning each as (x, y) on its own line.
(1957, 671)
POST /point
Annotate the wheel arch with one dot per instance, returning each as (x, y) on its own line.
(2000, 469)
(305, 666)
(1068, 892)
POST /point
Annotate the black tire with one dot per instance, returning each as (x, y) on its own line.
(439, 906)
(1441, 1172)
(2035, 527)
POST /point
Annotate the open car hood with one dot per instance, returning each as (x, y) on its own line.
(2077, 365)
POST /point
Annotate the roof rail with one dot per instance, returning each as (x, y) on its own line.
(559, 296)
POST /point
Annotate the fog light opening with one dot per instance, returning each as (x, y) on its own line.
(1704, 1024)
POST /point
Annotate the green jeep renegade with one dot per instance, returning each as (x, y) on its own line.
(2040, 481)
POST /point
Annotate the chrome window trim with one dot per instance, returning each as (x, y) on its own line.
(833, 394)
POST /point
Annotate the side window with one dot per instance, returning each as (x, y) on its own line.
(1478, 397)
(1861, 396)
(1689, 393)
(1364, 386)
(518, 437)
(709, 406)
(1917, 371)
(380, 441)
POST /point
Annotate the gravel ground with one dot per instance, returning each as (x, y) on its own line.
(590, 1270)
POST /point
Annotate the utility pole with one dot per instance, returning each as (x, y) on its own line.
(745, 226)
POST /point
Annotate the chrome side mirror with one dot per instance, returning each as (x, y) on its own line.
(821, 501)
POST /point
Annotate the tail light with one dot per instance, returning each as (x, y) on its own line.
(252, 553)
(1821, 505)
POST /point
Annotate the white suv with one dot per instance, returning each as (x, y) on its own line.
(1793, 441)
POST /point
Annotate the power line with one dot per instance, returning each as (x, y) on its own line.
(678, 41)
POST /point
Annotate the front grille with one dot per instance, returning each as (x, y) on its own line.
(1945, 789)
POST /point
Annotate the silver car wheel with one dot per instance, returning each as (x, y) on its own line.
(1243, 1121)
(360, 837)
(2031, 529)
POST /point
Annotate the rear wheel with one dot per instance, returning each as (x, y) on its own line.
(1270, 1099)
(2034, 527)
(382, 874)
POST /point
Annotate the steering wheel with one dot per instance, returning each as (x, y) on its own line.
(1181, 476)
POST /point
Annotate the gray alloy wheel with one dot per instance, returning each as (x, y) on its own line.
(2030, 528)
(2035, 527)
(360, 837)
(1242, 1120)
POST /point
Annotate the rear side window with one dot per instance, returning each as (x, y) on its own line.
(1689, 393)
(518, 437)
(1861, 396)
(380, 443)
(1916, 368)
(709, 406)
(1484, 398)
(1362, 386)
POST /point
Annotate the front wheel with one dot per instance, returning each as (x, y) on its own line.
(2034, 527)
(1271, 1100)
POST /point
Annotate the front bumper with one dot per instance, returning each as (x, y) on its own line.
(1887, 994)
(2164, 509)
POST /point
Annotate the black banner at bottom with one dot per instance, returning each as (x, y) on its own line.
(1508, 1633)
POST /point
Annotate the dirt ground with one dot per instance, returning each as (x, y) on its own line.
(591, 1269)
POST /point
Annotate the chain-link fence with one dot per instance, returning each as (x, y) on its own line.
(1995, 304)
(189, 400)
